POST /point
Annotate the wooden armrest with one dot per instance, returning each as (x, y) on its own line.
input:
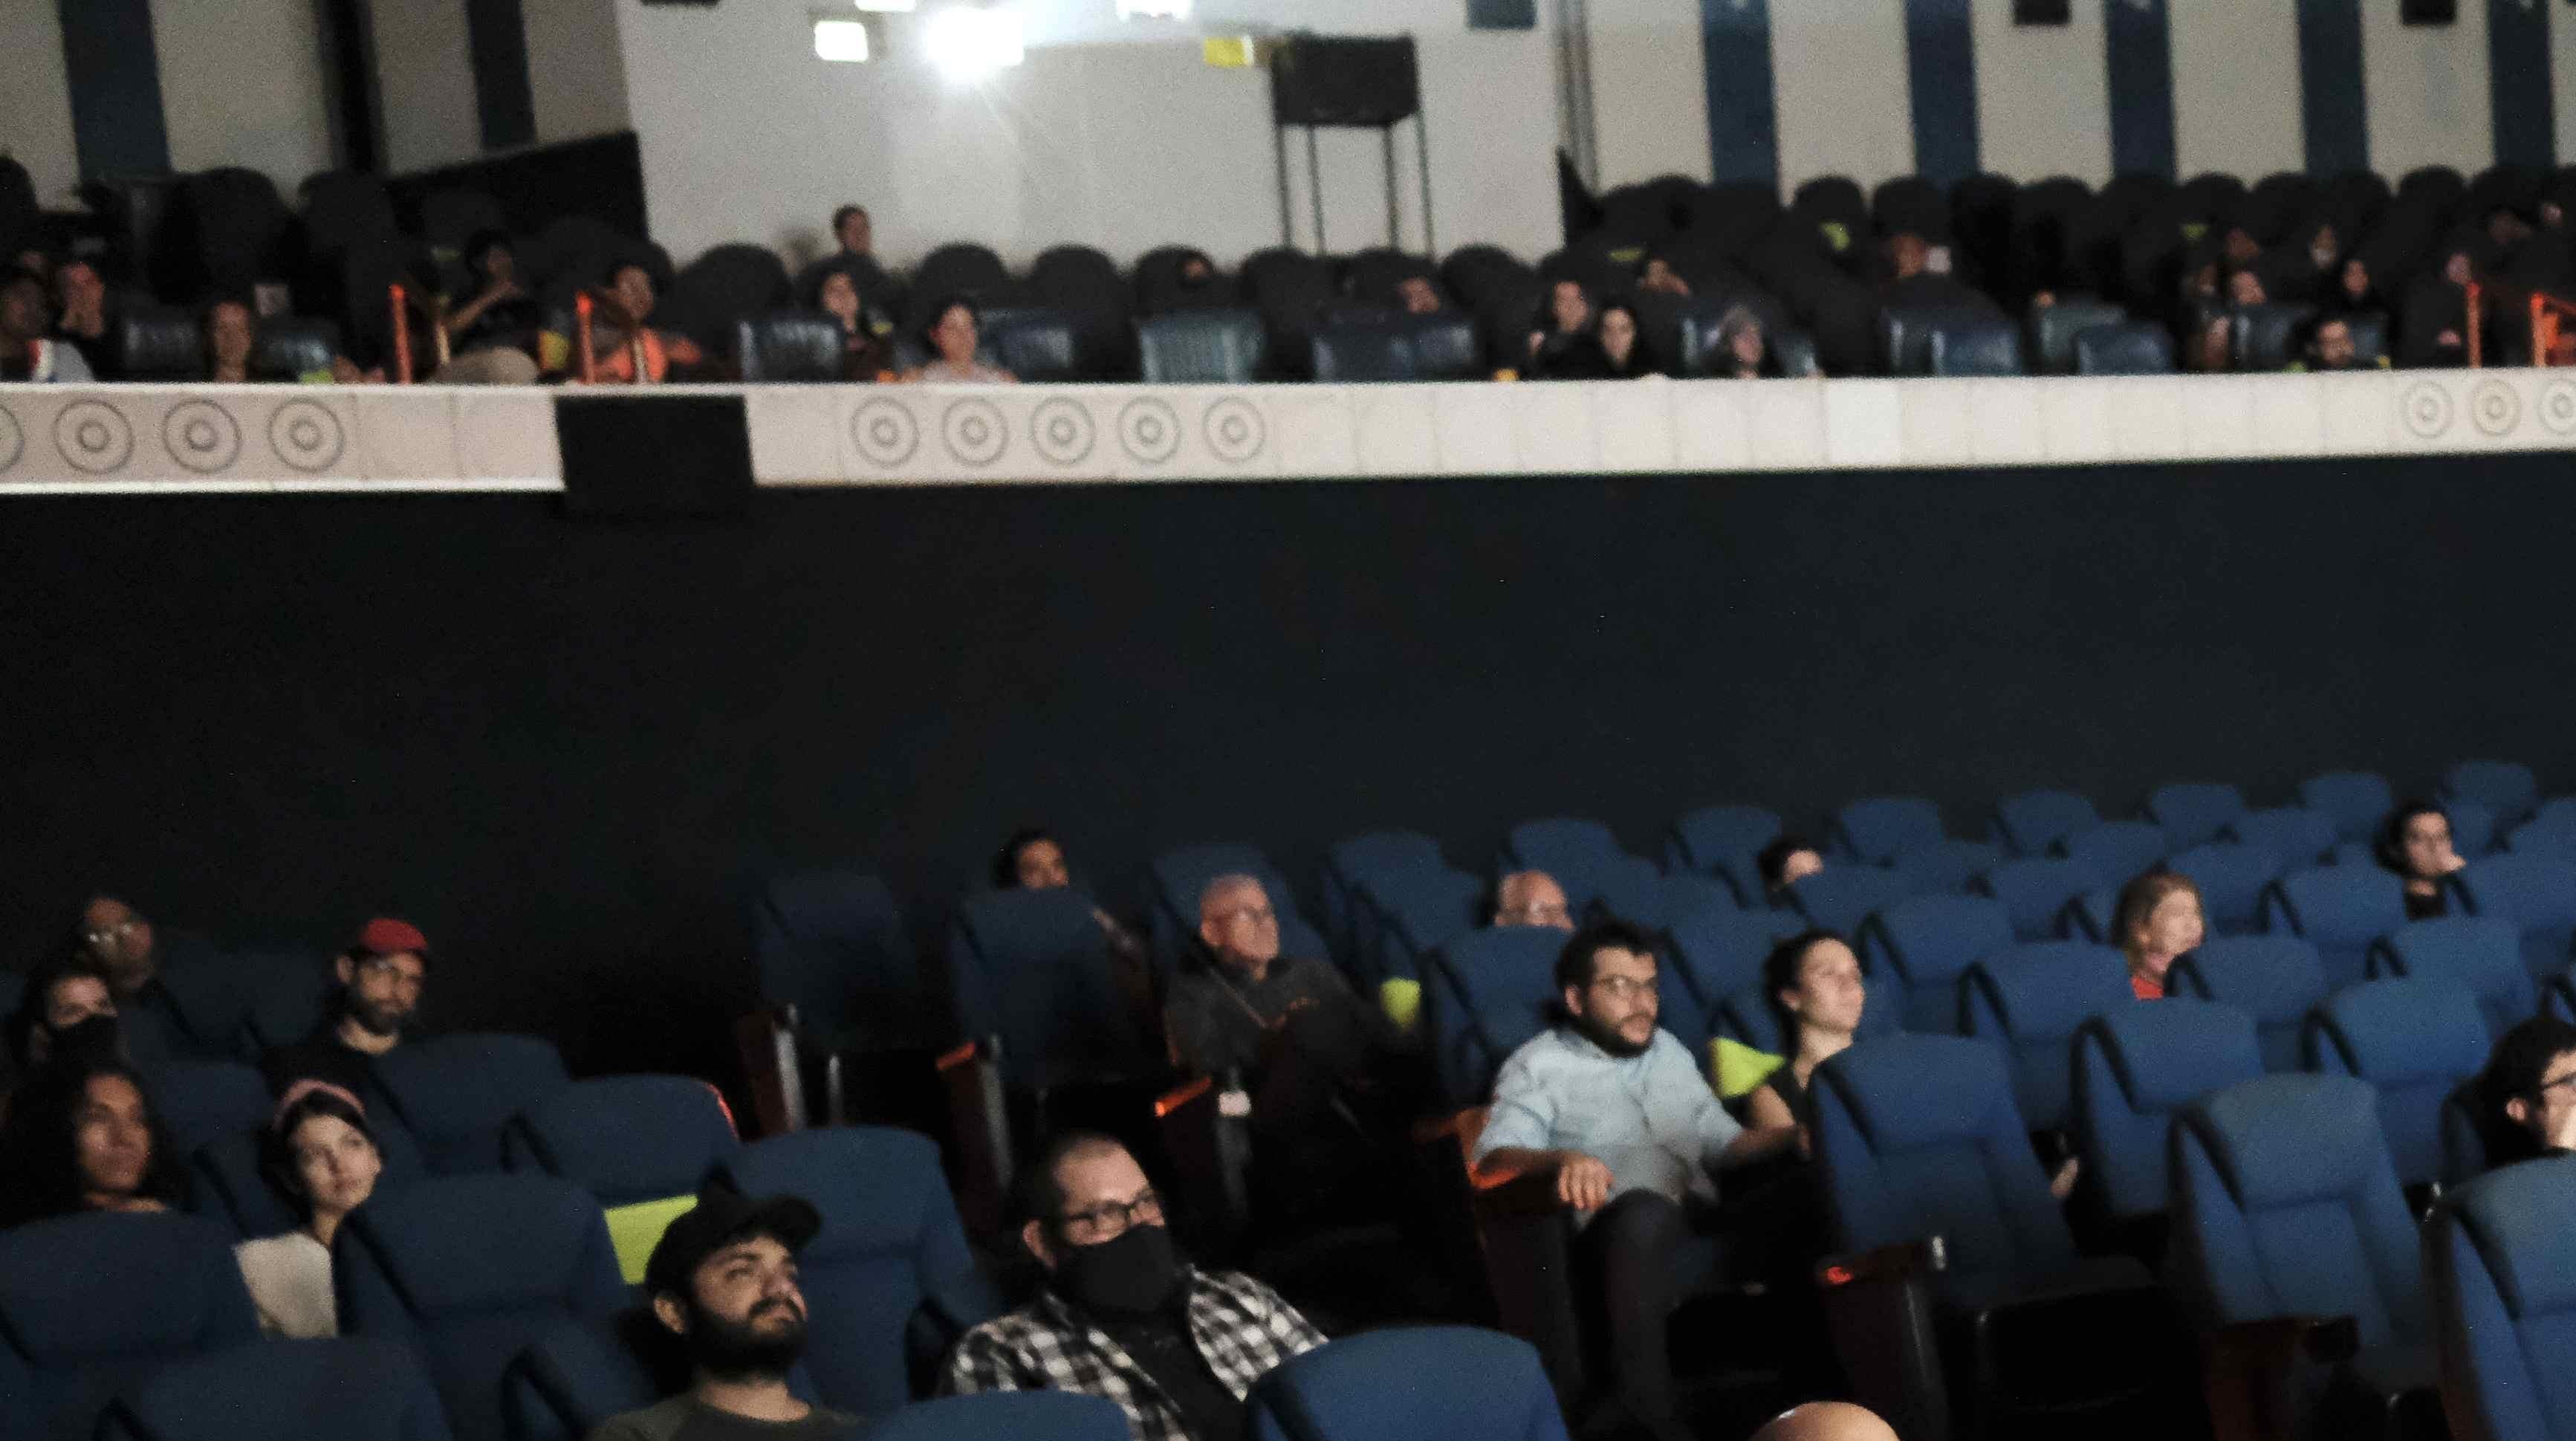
(1900, 1262)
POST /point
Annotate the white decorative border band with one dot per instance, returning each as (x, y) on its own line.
(232, 438)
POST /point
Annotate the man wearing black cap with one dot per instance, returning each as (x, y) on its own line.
(723, 1280)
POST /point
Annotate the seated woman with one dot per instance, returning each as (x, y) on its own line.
(1561, 344)
(1623, 353)
(317, 1149)
(2158, 918)
(1786, 861)
(492, 338)
(1033, 860)
(953, 337)
(1814, 985)
(68, 1010)
(2416, 844)
(83, 1137)
(864, 353)
(1743, 349)
(621, 343)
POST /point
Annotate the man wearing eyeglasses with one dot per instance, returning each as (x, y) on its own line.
(381, 977)
(117, 939)
(2529, 1090)
(1613, 1108)
(1122, 1315)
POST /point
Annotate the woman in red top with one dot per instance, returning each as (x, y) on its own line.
(2159, 917)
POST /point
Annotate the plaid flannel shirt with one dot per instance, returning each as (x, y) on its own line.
(1243, 1330)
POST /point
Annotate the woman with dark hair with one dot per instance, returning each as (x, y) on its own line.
(1813, 984)
(1033, 860)
(2415, 843)
(68, 1010)
(2159, 917)
(834, 289)
(1561, 344)
(1787, 860)
(492, 337)
(319, 1151)
(1623, 350)
(952, 337)
(83, 1137)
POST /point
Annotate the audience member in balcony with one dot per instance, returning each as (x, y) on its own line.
(1657, 277)
(1614, 1113)
(1416, 295)
(2306, 270)
(2245, 287)
(66, 1011)
(1033, 860)
(2157, 919)
(1814, 985)
(2527, 1093)
(1743, 347)
(1532, 898)
(2415, 843)
(1122, 1314)
(380, 980)
(855, 233)
(1561, 342)
(2434, 330)
(1623, 350)
(2238, 247)
(2209, 345)
(28, 353)
(319, 1151)
(621, 336)
(1786, 861)
(864, 351)
(83, 1136)
(722, 1284)
(492, 337)
(82, 320)
(954, 335)
(232, 330)
(2327, 344)
(2356, 289)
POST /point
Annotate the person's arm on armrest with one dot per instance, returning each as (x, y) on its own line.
(1582, 1182)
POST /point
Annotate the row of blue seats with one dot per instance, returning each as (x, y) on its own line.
(1456, 1381)
(2285, 1204)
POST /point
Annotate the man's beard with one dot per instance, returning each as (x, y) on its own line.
(376, 1020)
(1609, 1039)
(736, 1351)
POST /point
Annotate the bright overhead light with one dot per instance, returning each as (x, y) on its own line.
(968, 42)
(1153, 9)
(843, 40)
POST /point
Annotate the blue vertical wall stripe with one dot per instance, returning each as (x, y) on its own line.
(2333, 106)
(1743, 115)
(115, 77)
(2138, 42)
(1941, 68)
(2526, 112)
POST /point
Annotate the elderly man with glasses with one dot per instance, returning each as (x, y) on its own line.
(1122, 1315)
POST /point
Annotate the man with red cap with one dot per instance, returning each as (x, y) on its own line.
(380, 980)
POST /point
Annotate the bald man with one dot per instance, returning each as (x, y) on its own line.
(1532, 898)
(1826, 1421)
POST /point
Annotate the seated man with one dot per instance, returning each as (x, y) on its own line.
(1122, 1316)
(722, 1280)
(1614, 1109)
(27, 353)
(2329, 346)
(1531, 898)
(380, 982)
(2527, 1093)
(1333, 1082)
(122, 944)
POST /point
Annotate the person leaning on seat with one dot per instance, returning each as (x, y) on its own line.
(1122, 1315)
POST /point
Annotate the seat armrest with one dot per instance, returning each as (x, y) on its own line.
(981, 1127)
(1878, 1310)
(2252, 1371)
(1211, 1153)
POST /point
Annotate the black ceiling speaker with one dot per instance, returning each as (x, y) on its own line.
(2044, 12)
(2428, 12)
(1329, 80)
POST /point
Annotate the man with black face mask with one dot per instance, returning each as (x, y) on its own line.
(380, 977)
(722, 1280)
(1122, 1315)
(1615, 1110)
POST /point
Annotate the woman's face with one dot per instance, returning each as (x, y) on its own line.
(2356, 280)
(72, 1000)
(2427, 844)
(2173, 927)
(1040, 867)
(955, 335)
(1745, 345)
(335, 1163)
(1567, 305)
(1830, 993)
(111, 1139)
(1618, 335)
(499, 265)
(841, 298)
(634, 291)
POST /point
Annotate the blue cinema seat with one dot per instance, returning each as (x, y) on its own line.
(2358, 801)
(831, 943)
(1408, 1383)
(2501, 1257)
(2415, 1042)
(2035, 892)
(455, 1093)
(2475, 953)
(91, 1304)
(348, 1389)
(2276, 980)
(1493, 992)
(1723, 841)
(2536, 891)
(2134, 1070)
(1881, 828)
(2032, 823)
(2341, 910)
(2028, 1002)
(2194, 812)
(1007, 1416)
(1916, 950)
